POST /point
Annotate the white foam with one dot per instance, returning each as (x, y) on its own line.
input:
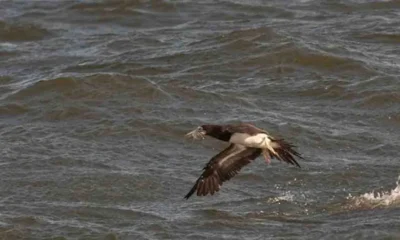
(286, 196)
(384, 198)
(8, 46)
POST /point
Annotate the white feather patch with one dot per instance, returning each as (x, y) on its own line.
(260, 140)
(236, 150)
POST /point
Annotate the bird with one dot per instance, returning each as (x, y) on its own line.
(246, 143)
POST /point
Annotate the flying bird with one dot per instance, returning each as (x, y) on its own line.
(247, 142)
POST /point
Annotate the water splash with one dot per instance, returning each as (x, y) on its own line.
(377, 199)
(284, 197)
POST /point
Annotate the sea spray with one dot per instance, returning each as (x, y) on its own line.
(376, 199)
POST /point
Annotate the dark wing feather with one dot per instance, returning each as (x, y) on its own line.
(285, 152)
(223, 167)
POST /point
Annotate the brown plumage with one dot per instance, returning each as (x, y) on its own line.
(223, 167)
(285, 152)
(247, 142)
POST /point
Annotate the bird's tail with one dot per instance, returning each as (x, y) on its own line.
(284, 151)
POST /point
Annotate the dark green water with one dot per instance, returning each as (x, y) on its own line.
(96, 96)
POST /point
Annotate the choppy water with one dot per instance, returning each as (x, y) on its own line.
(97, 95)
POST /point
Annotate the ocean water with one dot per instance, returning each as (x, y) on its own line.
(96, 97)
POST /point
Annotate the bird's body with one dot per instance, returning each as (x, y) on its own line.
(260, 140)
(247, 142)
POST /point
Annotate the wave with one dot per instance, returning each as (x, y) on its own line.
(94, 86)
(13, 109)
(21, 32)
(376, 199)
(122, 7)
(379, 37)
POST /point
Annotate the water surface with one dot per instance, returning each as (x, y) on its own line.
(96, 97)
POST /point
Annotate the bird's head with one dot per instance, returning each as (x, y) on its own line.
(201, 131)
(198, 133)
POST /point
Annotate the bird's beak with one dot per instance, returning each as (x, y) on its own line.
(197, 133)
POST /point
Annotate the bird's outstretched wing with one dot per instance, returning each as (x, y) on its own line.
(223, 167)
